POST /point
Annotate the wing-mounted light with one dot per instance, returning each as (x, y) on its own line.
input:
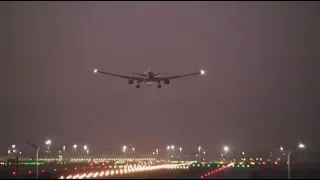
(202, 72)
(95, 71)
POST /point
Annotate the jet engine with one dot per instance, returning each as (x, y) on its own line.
(166, 81)
(130, 81)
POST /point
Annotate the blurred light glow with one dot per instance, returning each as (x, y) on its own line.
(48, 142)
(301, 146)
(226, 148)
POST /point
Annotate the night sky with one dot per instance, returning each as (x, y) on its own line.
(261, 88)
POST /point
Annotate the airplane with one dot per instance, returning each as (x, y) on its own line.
(149, 77)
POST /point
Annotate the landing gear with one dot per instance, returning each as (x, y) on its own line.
(159, 85)
(138, 85)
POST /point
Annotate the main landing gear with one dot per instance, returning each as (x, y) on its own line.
(159, 85)
(138, 85)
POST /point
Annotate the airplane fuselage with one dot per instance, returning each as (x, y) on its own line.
(150, 77)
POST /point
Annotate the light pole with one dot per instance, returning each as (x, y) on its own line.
(124, 148)
(168, 149)
(301, 146)
(37, 147)
(85, 149)
(37, 161)
(180, 149)
(226, 150)
(199, 149)
(172, 154)
(48, 143)
(14, 149)
(157, 151)
(75, 146)
(242, 156)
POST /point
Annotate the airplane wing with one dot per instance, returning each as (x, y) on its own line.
(180, 76)
(139, 74)
(118, 75)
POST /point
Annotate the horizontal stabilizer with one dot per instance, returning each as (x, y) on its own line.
(159, 74)
(139, 74)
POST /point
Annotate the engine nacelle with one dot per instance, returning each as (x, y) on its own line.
(130, 81)
(167, 81)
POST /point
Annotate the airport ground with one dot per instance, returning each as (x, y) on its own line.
(271, 171)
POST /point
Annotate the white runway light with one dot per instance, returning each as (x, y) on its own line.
(122, 170)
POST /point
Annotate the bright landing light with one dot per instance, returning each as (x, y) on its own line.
(95, 70)
(202, 72)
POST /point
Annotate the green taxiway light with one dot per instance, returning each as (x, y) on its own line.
(119, 162)
(248, 165)
(238, 165)
(218, 165)
(242, 165)
(33, 163)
